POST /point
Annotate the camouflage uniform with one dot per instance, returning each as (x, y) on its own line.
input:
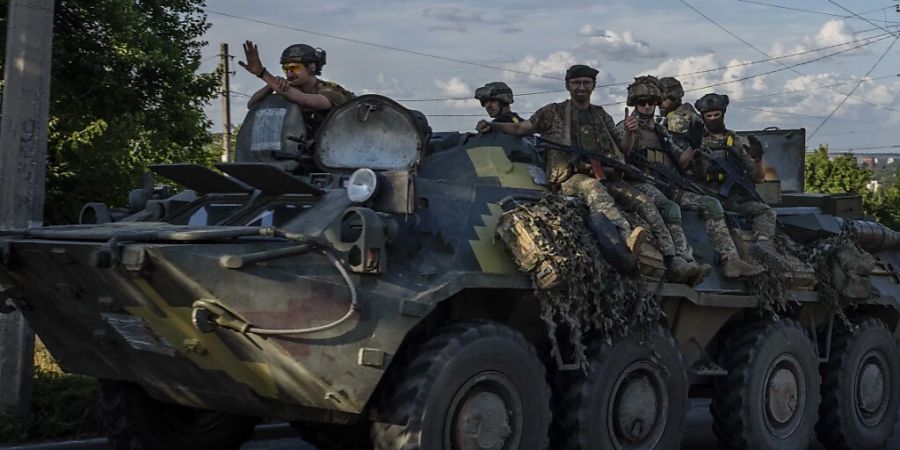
(594, 130)
(685, 126)
(762, 216)
(655, 144)
(594, 133)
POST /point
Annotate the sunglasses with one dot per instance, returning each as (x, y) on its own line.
(295, 68)
(645, 101)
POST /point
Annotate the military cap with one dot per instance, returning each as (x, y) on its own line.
(581, 70)
(712, 102)
(671, 87)
(495, 90)
(645, 86)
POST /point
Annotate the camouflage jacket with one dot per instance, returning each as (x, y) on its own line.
(336, 94)
(685, 125)
(554, 123)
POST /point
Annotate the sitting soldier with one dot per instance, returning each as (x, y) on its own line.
(576, 122)
(301, 64)
(720, 142)
(685, 127)
(495, 98)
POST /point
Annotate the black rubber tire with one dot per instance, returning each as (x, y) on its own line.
(328, 436)
(588, 419)
(841, 425)
(135, 421)
(750, 355)
(464, 357)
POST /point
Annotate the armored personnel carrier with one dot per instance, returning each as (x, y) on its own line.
(359, 292)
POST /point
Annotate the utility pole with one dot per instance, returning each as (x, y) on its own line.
(23, 167)
(226, 102)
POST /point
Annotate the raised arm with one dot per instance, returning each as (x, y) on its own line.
(523, 128)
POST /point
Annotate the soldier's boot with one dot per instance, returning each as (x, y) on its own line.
(612, 244)
(705, 270)
(681, 271)
(735, 267)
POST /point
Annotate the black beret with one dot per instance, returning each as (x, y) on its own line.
(581, 70)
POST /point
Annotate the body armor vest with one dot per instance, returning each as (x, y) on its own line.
(718, 148)
(652, 147)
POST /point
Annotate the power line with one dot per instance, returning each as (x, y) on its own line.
(745, 42)
(383, 46)
(857, 15)
(844, 100)
(866, 42)
(796, 91)
(790, 8)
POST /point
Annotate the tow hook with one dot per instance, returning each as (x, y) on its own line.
(209, 313)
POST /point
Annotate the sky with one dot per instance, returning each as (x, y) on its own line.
(785, 64)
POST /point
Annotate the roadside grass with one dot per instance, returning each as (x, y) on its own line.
(62, 406)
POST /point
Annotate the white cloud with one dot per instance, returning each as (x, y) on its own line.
(617, 46)
(456, 87)
(835, 34)
(695, 83)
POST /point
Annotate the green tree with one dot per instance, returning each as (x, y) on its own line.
(842, 174)
(124, 94)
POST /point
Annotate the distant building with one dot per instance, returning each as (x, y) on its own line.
(867, 161)
(873, 185)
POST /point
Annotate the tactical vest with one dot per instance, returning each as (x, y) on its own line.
(652, 147)
(718, 147)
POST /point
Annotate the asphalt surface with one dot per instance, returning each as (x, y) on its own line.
(698, 436)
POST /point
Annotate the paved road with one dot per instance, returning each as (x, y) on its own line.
(699, 436)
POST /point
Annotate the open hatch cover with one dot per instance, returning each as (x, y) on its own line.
(200, 179)
(267, 178)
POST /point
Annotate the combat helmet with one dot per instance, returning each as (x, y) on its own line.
(495, 90)
(304, 54)
(645, 86)
(671, 88)
(712, 102)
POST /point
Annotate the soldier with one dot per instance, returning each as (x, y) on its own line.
(720, 141)
(301, 64)
(577, 122)
(681, 119)
(496, 97)
(656, 146)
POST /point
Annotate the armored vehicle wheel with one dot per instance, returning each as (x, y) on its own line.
(634, 397)
(329, 436)
(474, 385)
(770, 397)
(135, 421)
(860, 388)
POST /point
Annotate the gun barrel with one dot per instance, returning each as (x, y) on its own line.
(875, 237)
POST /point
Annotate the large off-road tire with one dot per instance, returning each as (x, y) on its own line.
(770, 398)
(327, 436)
(633, 397)
(860, 388)
(135, 421)
(473, 385)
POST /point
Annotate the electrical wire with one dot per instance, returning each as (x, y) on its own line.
(385, 47)
(857, 15)
(844, 100)
(790, 8)
(745, 42)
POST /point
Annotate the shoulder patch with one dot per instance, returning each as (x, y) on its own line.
(678, 123)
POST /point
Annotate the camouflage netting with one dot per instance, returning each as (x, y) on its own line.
(841, 267)
(580, 293)
(770, 286)
(843, 270)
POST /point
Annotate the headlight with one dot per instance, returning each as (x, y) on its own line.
(362, 185)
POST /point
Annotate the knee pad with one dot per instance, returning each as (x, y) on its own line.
(670, 212)
(712, 208)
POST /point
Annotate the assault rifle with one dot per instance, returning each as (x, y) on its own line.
(734, 175)
(598, 161)
(671, 176)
